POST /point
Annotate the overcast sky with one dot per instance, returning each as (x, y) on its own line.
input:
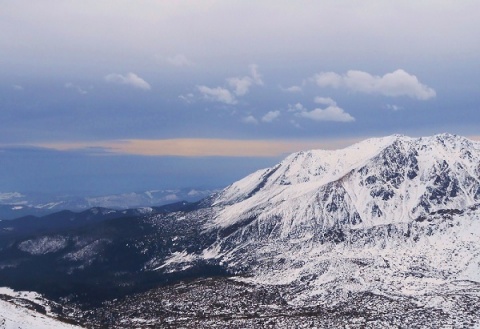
(115, 95)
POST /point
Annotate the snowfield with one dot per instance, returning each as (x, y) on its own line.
(17, 313)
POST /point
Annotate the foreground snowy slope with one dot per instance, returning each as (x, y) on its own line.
(14, 316)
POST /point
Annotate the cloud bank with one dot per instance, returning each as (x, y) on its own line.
(394, 84)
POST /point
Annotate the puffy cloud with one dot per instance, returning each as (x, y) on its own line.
(296, 107)
(217, 94)
(270, 116)
(130, 79)
(179, 60)
(397, 83)
(292, 89)
(250, 120)
(331, 113)
(328, 79)
(242, 85)
(324, 101)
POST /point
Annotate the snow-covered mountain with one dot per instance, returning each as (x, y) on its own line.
(393, 215)
(379, 181)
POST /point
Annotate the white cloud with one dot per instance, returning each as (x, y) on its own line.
(394, 107)
(394, 84)
(179, 60)
(217, 94)
(171, 197)
(296, 107)
(331, 113)
(17, 87)
(130, 79)
(325, 101)
(242, 85)
(270, 116)
(292, 89)
(256, 76)
(250, 120)
(328, 79)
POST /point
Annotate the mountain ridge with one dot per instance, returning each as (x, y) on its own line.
(316, 174)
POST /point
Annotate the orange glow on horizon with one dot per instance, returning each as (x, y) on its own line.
(201, 147)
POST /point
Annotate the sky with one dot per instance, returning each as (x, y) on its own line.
(113, 96)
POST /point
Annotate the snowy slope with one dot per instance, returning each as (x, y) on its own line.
(18, 311)
(17, 317)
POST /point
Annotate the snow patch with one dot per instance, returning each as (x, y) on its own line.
(17, 317)
(182, 259)
(43, 245)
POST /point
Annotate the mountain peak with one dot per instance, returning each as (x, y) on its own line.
(379, 180)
